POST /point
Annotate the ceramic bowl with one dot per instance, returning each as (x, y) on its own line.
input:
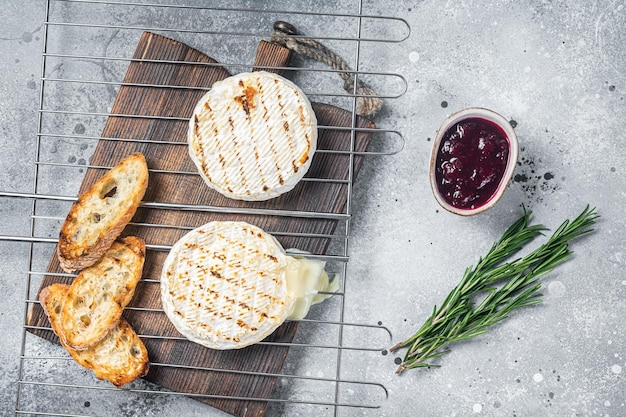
(505, 129)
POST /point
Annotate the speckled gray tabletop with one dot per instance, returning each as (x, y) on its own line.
(556, 68)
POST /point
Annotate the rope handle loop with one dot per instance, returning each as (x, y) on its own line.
(287, 35)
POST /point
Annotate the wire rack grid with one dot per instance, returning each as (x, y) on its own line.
(87, 48)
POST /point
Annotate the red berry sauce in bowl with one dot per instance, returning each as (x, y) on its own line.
(474, 156)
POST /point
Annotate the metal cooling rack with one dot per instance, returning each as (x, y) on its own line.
(87, 45)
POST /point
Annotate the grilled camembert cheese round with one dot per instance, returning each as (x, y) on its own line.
(253, 136)
(227, 285)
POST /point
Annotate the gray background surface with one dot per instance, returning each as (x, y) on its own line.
(555, 67)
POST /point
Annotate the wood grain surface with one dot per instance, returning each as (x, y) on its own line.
(147, 114)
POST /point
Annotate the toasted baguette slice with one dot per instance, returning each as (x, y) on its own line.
(100, 214)
(119, 358)
(98, 295)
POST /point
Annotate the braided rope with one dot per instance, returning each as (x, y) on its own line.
(367, 102)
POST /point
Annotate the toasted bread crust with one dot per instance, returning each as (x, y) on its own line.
(100, 214)
(98, 295)
(120, 357)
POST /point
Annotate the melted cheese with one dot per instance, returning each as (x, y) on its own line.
(306, 279)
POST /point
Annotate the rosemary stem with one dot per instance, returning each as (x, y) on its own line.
(458, 318)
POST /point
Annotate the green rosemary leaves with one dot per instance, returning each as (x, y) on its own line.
(492, 289)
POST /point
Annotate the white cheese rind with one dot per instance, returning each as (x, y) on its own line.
(253, 136)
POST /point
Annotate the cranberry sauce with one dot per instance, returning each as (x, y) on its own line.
(471, 161)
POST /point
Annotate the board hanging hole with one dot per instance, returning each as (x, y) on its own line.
(286, 28)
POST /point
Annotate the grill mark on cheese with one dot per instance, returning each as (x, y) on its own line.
(246, 326)
(247, 99)
(301, 114)
(274, 153)
(196, 130)
(290, 141)
(219, 145)
(305, 155)
(257, 156)
(236, 146)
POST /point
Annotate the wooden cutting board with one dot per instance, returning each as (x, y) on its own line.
(176, 364)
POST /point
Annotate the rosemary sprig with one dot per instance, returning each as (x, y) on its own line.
(459, 318)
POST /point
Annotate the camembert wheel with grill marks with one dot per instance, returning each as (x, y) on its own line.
(224, 285)
(227, 285)
(253, 136)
